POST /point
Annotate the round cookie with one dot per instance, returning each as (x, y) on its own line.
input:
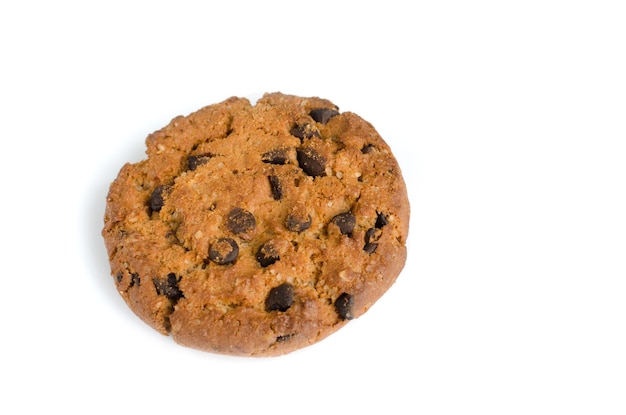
(257, 229)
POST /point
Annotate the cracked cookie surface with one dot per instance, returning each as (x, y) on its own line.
(257, 229)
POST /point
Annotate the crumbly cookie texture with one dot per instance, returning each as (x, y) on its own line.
(256, 230)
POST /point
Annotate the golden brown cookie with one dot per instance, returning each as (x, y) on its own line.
(257, 229)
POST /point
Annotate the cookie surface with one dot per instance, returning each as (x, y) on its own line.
(257, 229)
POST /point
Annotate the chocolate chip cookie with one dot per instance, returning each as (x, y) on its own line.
(259, 229)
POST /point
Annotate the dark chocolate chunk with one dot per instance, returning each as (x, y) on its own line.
(118, 277)
(267, 254)
(277, 189)
(343, 306)
(168, 286)
(370, 248)
(323, 115)
(311, 162)
(277, 156)
(240, 221)
(371, 235)
(135, 280)
(381, 220)
(368, 148)
(224, 251)
(157, 198)
(346, 222)
(297, 223)
(284, 337)
(304, 131)
(195, 161)
(280, 298)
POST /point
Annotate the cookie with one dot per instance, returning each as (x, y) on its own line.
(259, 229)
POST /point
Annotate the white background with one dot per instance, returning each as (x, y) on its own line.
(508, 119)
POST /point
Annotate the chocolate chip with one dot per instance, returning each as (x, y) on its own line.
(267, 254)
(135, 280)
(276, 156)
(311, 162)
(343, 306)
(118, 277)
(277, 189)
(296, 223)
(304, 131)
(381, 220)
(371, 235)
(368, 148)
(280, 298)
(224, 251)
(240, 221)
(370, 248)
(168, 286)
(346, 222)
(157, 198)
(284, 338)
(195, 161)
(322, 115)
